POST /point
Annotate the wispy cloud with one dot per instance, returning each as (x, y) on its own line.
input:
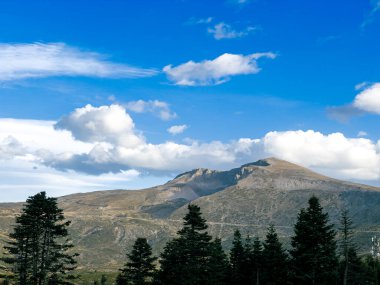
(372, 14)
(199, 21)
(225, 31)
(19, 61)
(239, 2)
(159, 108)
(177, 129)
(216, 71)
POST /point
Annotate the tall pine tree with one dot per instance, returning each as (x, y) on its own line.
(257, 261)
(218, 264)
(140, 268)
(186, 259)
(274, 260)
(238, 260)
(314, 259)
(351, 268)
(38, 250)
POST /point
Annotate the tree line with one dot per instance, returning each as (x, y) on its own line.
(39, 252)
(316, 256)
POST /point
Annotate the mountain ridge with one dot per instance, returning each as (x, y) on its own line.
(106, 223)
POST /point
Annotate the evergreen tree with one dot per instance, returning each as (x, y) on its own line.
(275, 260)
(38, 250)
(371, 270)
(140, 268)
(356, 274)
(103, 280)
(257, 261)
(351, 267)
(186, 259)
(238, 260)
(218, 264)
(314, 259)
(121, 279)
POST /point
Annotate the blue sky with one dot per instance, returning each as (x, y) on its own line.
(127, 94)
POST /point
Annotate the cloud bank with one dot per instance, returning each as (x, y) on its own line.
(216, 71)
(104, 141)
(20, 61)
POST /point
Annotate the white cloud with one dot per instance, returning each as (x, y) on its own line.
(20, 61)
(332, 154)
(199, 21)
(105, 124)
(369, 99)
(156, 107)
(204, 20)
(362, 134)
(216, 71)
(225, 31)
(177, 129)
(104, 141)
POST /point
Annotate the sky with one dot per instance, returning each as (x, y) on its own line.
(109, 94)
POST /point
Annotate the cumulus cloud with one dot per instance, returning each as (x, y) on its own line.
(177, 129)
(367, 101)
(103, 141)
(156, 107)
(216, 71)
(20, 61)
(225, 31)
(332, 154)
(105, 124)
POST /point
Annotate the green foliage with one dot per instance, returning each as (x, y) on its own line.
(140, 268)
(103, 280)
(238, 260)
(314, 259)
(274, 259)
(371, 270)
(256, 261)
(185, 259)
(218, 264)
(38, 249)
(351, 268)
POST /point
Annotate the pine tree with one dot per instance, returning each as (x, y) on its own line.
(275, 260)
(350, 266)
(218, 264)
(238, 260)
(257, 261)
(185, 260)
(103, 280)
(314, 259)
(121, 279)
(140, 268)
(38, 250)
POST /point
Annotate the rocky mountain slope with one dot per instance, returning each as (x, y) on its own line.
(106, 223)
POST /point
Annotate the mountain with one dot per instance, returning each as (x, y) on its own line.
(106, 223)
